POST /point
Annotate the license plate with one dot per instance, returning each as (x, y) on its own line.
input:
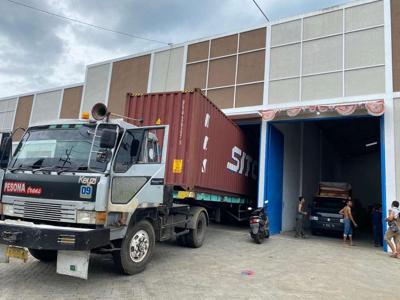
(16, 252)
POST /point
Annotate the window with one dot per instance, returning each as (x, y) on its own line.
(151, 152)
(139, 146)
(129, 150)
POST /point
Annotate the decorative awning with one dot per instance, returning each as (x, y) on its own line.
(374, 108)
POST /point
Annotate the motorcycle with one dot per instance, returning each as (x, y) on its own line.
(259, 225)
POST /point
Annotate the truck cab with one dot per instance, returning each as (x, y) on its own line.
(74, 187)
(330, 198)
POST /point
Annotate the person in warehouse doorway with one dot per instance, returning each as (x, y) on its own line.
(347, 220)
(393, 229)
(301, 214)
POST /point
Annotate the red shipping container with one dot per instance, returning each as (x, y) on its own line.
(207, 152)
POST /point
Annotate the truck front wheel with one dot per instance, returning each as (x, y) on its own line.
(196, 236)
(44, 255)
(136, 249)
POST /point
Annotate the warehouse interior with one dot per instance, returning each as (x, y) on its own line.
(336, 150)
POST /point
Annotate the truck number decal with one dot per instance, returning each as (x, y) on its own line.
(86, 191)
(242, 164)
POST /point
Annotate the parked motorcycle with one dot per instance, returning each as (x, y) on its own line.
(259, 225)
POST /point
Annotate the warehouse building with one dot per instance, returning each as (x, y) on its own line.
(323, 90)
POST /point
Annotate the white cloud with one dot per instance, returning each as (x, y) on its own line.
(39, 51)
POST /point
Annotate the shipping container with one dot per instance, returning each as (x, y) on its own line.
(207, 152)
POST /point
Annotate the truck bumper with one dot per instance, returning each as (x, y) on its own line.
(47, 237)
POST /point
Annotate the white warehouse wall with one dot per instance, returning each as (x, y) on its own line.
(166, 74)
(97, 86)
(291, 173)
(7, 113)
(46, 107)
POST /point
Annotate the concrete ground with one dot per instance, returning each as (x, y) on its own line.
(228, 266)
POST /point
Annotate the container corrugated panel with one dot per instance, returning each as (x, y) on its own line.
(207, 152)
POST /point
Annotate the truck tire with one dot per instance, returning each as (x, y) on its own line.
(44, 255)
(136, 249)
(196, 236)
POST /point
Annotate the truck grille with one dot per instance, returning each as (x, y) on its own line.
(44, 211)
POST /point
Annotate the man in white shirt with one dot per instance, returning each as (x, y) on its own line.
(393, 231)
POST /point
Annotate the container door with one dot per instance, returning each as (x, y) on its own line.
(274, 178)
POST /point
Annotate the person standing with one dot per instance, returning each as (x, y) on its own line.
(301, 214)
(392, 232)
(347, 220)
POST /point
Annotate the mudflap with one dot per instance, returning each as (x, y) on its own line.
(3, 257)
(73, 263)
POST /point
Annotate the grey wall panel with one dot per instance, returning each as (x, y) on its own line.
(323, 25)
(322, 86)
(366, 15)
(285, 61)
(46, 107)
(97, 78)
(7, 112)
(167, 70)
(284, 91)
(286, 33)
(365, 48)
(323, 55)
(365, 81)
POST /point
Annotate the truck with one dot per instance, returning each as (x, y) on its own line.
(330, 198)
(105, 185)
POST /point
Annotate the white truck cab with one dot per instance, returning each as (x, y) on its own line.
(74, 187)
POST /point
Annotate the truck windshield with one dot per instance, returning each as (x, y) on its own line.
(329, 204)
(57, 147)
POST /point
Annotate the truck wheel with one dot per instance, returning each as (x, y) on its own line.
(136, 249)
(44, 255)
(195, 237)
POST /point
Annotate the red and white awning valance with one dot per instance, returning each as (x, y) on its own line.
(374, 108)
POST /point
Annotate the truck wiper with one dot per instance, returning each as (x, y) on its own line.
(20, 168)
(60, 169)
(72, 169)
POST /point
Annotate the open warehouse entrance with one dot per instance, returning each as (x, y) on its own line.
(302, 154)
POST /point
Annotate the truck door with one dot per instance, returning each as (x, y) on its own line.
(5, 149)
(138, 169)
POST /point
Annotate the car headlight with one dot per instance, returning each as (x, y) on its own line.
(8, 209)
(90, 217)
(341, 221)
(313, 218)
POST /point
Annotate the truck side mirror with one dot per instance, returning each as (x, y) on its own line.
(108, 138)
(5, 149)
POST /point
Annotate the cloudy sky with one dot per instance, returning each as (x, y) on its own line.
(40, 51)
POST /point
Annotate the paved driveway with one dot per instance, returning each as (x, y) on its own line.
(283, 268)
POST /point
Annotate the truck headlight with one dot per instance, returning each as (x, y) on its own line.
(313, 218)
(90, 217)
(86, 217)
(8, 209)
